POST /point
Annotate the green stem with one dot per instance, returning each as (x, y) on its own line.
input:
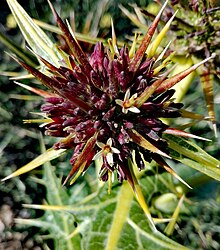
(124, 200)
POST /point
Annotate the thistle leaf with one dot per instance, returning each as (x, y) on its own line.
(193, 156)
(36, 38)
(60, 225)
(105, 221)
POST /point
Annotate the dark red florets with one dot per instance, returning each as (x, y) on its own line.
(108, 81)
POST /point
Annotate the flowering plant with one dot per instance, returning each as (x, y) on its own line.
(110, 106)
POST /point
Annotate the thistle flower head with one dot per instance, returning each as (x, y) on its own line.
(108, 104)
(104, 104)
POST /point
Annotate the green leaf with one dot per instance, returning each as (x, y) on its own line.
(62, 224)
(106, 221)
(117, 221)
(39, 42)
(193, 156)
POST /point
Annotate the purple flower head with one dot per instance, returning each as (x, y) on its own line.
(108, 105)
